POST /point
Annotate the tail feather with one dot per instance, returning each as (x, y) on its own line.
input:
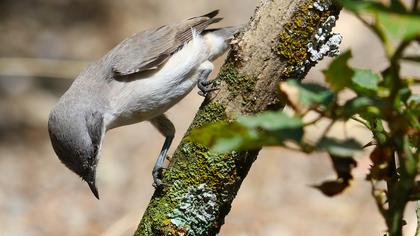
(218, 39)
(211, 14)
(225, 32)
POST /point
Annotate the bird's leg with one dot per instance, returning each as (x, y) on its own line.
(165, 127)
(203, 84)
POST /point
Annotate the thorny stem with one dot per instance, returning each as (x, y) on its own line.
(399, 193)
(400, 182)
(398, 189)
(393, 215)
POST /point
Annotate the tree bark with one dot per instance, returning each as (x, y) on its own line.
(279, 42)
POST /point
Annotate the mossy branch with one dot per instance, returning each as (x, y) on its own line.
(201, 185)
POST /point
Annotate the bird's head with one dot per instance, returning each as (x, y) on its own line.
(76, 140)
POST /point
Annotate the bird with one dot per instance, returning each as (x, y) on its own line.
(137, 80)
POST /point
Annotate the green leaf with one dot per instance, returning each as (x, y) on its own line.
(209, 134)
(250, 132)
(404, 94)
(358, 105)
(414, 101)
(339, 74)
(397, 5)
(391, 21)
(275, 126)
(372, 6)
(365, 82)
(399, 26)
(377, 128)
(360, 6)
(339, 148)
(247, 139)
(305, 96)
(270, 120)
(315, 94)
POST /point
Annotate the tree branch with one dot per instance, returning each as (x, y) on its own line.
(279, 43)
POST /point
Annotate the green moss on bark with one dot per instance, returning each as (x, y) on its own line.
(209, 112)
(237, 84)
(194, 165)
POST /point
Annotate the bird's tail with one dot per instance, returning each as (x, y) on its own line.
(225, 32)
(219, 39)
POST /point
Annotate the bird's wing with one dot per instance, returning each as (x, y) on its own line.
(148, 49)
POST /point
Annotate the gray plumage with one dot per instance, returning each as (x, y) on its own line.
(157, 44)
(138, 80)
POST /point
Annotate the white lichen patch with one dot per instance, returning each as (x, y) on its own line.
(326, 43)
(321, 5)
(196, 210)
(323, 43)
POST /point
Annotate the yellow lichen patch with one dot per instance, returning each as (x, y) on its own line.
(236, 84)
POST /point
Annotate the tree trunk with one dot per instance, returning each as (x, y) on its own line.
(281, 41)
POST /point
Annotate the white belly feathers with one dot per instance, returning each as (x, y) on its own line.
(143, 98)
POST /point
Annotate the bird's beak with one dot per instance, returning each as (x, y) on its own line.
(91, 181)
(92, 187)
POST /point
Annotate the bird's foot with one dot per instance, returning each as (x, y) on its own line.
(205, 87)
(157, 178)
(203, 83)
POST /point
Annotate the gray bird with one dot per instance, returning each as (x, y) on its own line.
(138, 80)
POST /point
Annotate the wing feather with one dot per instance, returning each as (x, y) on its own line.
(149, 49)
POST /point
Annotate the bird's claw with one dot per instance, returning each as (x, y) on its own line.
(205, 87)
(157, 178)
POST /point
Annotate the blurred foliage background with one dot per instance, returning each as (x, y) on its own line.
(45, 43)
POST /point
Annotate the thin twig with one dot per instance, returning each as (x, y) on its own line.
(296, 149)
(330, 125)
(361, 122)
(418, 218)
(415, 59)
(379, 33)
(314, 121)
